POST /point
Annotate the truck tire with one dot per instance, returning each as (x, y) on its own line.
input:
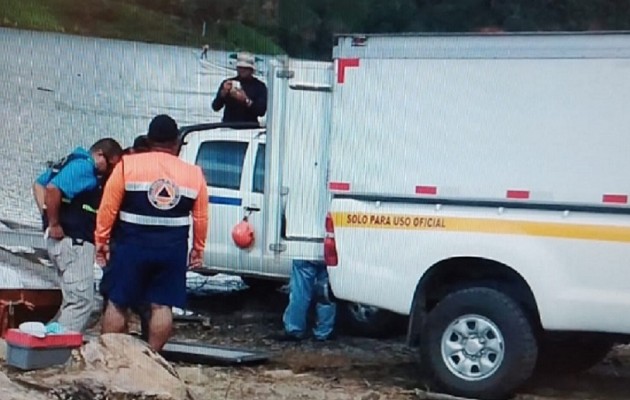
(367, 321)
(572, 354)
(478, 342)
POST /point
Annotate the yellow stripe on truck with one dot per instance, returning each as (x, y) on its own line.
(480, 225)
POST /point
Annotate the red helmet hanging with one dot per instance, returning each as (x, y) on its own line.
(243, 234)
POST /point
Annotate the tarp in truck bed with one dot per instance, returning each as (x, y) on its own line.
(539, 118)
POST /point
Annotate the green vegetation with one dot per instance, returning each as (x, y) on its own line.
(147, 21)
(306, 27)
(303, 28)
(32, 13)
(242, 36)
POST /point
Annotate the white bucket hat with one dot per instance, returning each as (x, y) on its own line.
(245, 60)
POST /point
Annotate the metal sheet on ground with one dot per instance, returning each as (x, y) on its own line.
(190, 352)
(206, 354)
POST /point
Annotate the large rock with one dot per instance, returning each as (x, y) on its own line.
(12, 391)
(112, 367)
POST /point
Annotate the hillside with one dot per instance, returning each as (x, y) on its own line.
(158, 21)
(303, 28)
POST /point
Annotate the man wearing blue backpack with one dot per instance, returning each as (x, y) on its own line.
(68, 194)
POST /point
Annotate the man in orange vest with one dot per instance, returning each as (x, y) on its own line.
(140, 144)
(150, 197)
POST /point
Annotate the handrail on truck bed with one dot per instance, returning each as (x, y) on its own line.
(185, 130)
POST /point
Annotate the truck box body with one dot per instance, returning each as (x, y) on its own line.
(537, 118)
(506, 150)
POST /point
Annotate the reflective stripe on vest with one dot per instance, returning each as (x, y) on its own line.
(84, 207)
(153, 221)
(88, 208)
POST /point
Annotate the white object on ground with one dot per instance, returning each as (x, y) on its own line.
(196, 284)
(179, 312)
(220, 283)
(36, 329)
(45, 262)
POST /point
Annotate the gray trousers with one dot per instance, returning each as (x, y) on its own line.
(75, 269)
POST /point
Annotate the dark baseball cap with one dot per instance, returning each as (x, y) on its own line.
(140, 142)
(163, 129)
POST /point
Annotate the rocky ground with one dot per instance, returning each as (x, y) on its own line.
(347, 368)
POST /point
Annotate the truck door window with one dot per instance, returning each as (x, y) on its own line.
(222, 163)
(259, 170)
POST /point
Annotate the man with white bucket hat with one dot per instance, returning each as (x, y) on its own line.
(243, 96)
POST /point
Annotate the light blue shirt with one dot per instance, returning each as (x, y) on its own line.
(77, 176)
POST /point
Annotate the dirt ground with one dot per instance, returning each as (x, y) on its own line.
(346, 368)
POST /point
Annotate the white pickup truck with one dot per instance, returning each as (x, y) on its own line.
(480, 187)
(476, 184)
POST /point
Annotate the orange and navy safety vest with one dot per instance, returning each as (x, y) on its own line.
(149, 197)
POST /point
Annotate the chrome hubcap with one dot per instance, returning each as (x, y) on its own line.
(472, 347)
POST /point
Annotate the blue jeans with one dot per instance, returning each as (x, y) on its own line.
(309, 281)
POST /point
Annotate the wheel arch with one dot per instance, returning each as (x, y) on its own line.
(461, 272)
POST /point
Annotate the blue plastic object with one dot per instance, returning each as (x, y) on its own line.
(54, 327)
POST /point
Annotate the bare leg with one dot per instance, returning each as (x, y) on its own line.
(160, 326)
(114, 320)
(106, 304)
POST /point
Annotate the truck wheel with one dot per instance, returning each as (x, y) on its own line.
(478, 343)
(367, 321)
(571, 355)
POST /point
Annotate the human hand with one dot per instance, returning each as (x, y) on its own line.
(56, 232)
(102, 255)
(226, 88)
(195, 259)
(239, 95)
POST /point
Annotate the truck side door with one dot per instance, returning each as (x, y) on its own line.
(254, 206)
(223, 160)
